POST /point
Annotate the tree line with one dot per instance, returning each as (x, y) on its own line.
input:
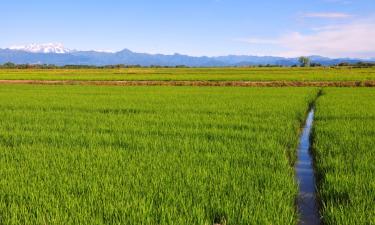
(303, 62)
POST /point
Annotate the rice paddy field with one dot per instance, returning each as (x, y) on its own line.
(194, 74)
(149, 155)
(344, 149)
(72, 154)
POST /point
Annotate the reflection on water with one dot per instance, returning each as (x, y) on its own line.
(307, 202)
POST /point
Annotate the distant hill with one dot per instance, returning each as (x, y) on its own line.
(50, 54)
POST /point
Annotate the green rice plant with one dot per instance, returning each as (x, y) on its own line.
(193, 74)
(344, 146)
(149, 155)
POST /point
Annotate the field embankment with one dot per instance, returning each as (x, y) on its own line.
(200, 83)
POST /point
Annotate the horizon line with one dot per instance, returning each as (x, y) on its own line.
(70, 51)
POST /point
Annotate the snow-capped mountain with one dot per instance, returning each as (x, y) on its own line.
(55, 53)
(43, 48)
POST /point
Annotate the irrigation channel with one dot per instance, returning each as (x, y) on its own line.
(307, 200)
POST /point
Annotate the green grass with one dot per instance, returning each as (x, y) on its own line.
(194, 74)
(149, 155)
(344, 145)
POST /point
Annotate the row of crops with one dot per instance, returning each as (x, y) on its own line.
(344, 149)
(179, 155)
(194, 74)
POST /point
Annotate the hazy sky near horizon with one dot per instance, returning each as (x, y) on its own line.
(334, 28)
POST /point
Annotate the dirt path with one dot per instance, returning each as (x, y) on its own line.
(201, 83)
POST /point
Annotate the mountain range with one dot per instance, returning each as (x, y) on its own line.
(58, 55)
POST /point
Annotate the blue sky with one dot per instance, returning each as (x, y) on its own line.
(335, 28)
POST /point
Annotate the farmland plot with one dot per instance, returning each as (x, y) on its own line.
(344, 146)
(149, 155)
(193, 74)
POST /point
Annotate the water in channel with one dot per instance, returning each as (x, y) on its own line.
(307, 200)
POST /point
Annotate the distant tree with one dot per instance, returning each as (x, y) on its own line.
(9, 65)
(315, 64)
(364, 64)
(343, 64)
(304, 61)
(119, 66)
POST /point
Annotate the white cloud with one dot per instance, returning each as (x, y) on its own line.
(258, 41)
(350, 40)
(327, 15)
